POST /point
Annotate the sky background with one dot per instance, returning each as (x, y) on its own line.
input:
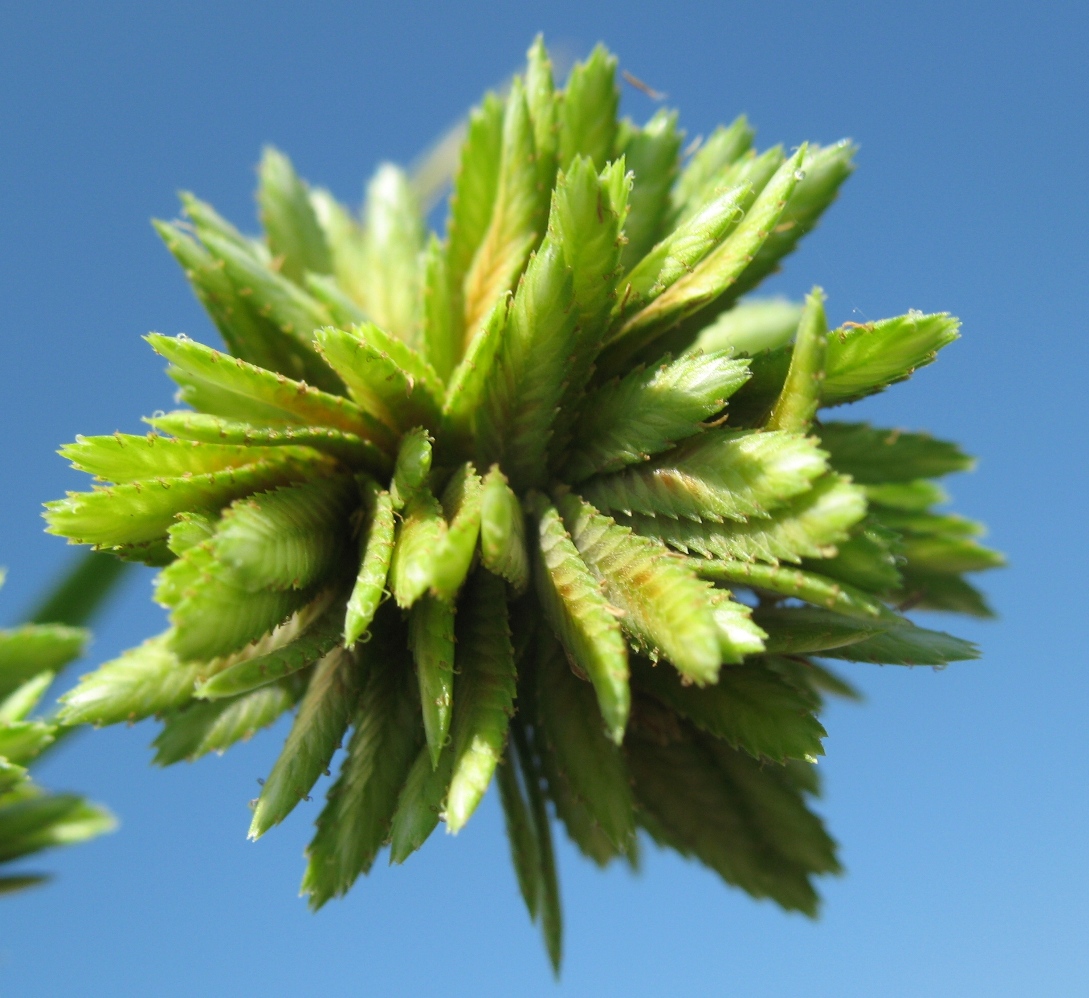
(959, 796)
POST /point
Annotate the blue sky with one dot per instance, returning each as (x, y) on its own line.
(958, 796)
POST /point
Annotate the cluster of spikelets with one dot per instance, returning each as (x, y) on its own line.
(565, 449)
(30, 818)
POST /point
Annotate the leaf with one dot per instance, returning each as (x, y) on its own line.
(22, 741)
(246, 334)
(470, 380)
(342, 308)
(524, 850)
(288, 401)
(143, 511)
(516, 220)
(294, 235)
(908, 645)
(386, 378)
(738, 635)
(376, 551)
(651, 153)
(32, 648)
(942, 591)
(356, 818)
(461, 501)
(283, 304)
(822, 173)
(750, 708)
(202, 727)
(528, 378)
(665, 607)
(551, 914)
(394, 238)
(313, 644)
(944, 553)
(431, 639)
(484, 696)
(700, 810)
(863, 360)
(420, 805)
(347, 447)
(541, 101)
(803, 630)
(344, 237)
(46, 820)
(809, 526)
(441, 335)
(751, 326)
(702, 172)
(720, 475)
(503, 531)
(410, 474)
(320, 724)
(916, 496)
(584, 757)
(873, 456)
(714, 275)
(792, 582)
(587, 111)
(421, 532)
(624, 422)
(16, 705)
(472, 203)
(870, 559)
(288, 538)
(11, 776)
(580, 615)
(79, 593)
(143, 681)
(797, 403)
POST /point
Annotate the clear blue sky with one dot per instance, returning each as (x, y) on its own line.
(959, 796)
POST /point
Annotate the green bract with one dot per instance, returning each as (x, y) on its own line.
(31, 656)
(543, 500)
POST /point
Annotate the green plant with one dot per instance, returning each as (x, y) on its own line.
(31, 657)
(565, 446)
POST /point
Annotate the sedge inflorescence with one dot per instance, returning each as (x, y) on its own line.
(544, 501)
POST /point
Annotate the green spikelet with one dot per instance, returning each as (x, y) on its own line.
(540, 501)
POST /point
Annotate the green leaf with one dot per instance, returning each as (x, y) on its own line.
(360, 804)
(420, 805)
(288, 538)
(517, 218)
(541, 101)
(199, 728)
(584, 758)
(346, 447)
(294, 235)
(803, 630)
(21, 741)
(907, 645)
(376, 551)
(80, 592)
(942, 591)
(16, 705)
(714, 275)
(550, 912)
(143, 681)
(320, 724)
(822, 173)
(792, 582)
(651, 153)
(750, 707)
(410, 474)
(11, 776)
(503, 531)
(431, 638)
(196, 365)
(740, 818)
(863, 360)
(587, 110)
(870, 559)
(911, 497)
(394, 239)
(471, 380)
(472, 204)
(347, 249)
(873, 456)
(484, 696)
(528, 378)
(441, 336)
(738, 636)
(945, 553)
(666, 608)
(702, 173)
(461, 503)
(420, 533)
(46, 820)
(721, 475)
(343, 309)
(143, 511)
(626, 421)
(524, 850)
(32, 648)
(387, 378)
(797, 403)
(751, 326)
(313, 643)
(580, 615)
(808, 526)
